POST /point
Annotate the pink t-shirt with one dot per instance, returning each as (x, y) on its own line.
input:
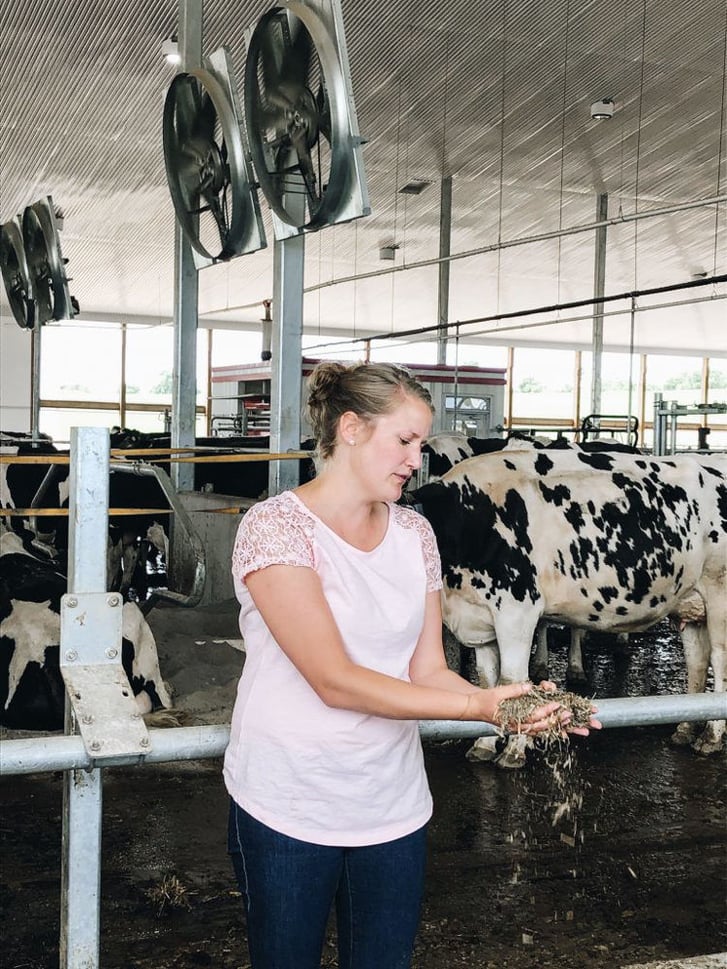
(323, 775)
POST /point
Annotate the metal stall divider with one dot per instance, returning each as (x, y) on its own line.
(100, 702)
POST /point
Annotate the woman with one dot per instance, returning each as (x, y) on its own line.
(340, 611)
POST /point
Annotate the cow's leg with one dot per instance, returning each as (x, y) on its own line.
(539, 659)
(453, 651)
(715, 641)
(695, 643)
(487, 662)
(576, 674)
(515, 630)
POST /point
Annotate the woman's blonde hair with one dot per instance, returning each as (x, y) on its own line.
(367, 389)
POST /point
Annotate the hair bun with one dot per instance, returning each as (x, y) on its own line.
(325, 378)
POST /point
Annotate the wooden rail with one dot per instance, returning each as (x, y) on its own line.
(232, 457)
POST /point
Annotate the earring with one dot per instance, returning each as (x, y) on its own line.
(352, 442)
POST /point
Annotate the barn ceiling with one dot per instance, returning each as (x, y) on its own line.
(494, 95)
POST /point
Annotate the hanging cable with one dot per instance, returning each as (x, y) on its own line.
(631, 356)
(562, 141)
(638, 145)
(626, 5)
(396, 201)
(721, 142)
(558, 307)
(444, 165)
(456, 379)
(355, 267)
(502, 151)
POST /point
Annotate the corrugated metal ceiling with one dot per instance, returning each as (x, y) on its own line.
(496, 95)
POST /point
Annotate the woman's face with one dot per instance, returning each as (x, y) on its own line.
(388, 448)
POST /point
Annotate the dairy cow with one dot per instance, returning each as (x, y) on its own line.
(32, 692)
(609, 542)
(137, 543)
(447, 448)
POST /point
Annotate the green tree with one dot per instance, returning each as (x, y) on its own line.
(687, 380)
(529, 385)
(164, 386)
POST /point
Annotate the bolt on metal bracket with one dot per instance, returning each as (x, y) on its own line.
(101, 697)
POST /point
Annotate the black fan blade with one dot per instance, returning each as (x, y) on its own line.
(187, 98)
(272, 47)
(206, 119)
(16, 286)
(324, 112)
(307, 170)
(298, 56)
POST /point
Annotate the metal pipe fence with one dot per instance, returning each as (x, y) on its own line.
(203, 742)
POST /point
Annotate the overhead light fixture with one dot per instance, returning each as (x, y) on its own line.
(415, 187)
(388, 253)
(170, 49)
(600, 110)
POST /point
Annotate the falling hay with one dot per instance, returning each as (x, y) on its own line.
(567, 787)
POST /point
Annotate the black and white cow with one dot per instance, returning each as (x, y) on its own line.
(609, 542)
(32, 693)
(448, 448)
(133, 540)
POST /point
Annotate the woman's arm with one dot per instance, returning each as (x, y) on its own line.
(294, 608)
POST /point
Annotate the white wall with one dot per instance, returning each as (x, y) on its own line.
(15, 366)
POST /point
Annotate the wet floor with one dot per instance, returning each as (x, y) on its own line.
(636, 873)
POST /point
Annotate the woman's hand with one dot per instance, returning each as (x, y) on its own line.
(484, 705)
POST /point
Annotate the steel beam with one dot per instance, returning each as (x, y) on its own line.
(287, 342)
(186, 287)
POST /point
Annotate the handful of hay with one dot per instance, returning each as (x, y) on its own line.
(512, 714)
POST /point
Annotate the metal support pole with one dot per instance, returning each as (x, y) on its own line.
(445, 243)
(186, 286)
(599, 289)
(287, 343)
(577, 379)
(81, 850)
(659, 429)
(35, 380)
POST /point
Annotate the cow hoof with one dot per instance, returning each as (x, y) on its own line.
(685, 735)
(484, 749)
(510, 752)
(709, 742)
(539, 673)
(577, 678)
(515, 752)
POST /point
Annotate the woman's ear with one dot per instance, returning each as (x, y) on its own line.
(349, 426)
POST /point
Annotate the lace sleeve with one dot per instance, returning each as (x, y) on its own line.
(432, 562)
(273, 532)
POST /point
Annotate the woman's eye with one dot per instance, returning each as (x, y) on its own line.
(403, 441)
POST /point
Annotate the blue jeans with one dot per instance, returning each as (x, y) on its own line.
(289, 887)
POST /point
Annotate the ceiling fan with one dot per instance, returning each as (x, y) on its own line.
(15, 273)
(207, 164)
(46, 265)
(300, 118)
